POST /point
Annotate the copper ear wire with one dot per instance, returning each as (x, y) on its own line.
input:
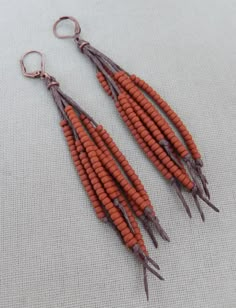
(77, 28)
(35, 74)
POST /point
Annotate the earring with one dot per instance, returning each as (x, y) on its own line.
(114, 189)
(139, 105)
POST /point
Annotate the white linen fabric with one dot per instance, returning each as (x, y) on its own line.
(54, 251)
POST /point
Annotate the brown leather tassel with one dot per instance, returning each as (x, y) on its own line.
(141, 108)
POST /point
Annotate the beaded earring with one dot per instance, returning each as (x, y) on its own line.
(139, 105)
(113, 187)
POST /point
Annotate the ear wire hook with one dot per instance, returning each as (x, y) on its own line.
(77, 28)
(35, 74)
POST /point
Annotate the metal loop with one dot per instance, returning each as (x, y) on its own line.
(77, 28)
(53, 84)
(35, 74)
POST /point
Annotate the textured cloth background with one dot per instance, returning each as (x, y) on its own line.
(54, 252)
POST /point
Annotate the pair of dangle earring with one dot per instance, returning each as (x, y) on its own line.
(114, 189)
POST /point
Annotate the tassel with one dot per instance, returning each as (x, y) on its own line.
(141, 108)
(114, 189)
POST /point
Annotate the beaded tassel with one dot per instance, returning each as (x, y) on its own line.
(141, 108)
(114, 189)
